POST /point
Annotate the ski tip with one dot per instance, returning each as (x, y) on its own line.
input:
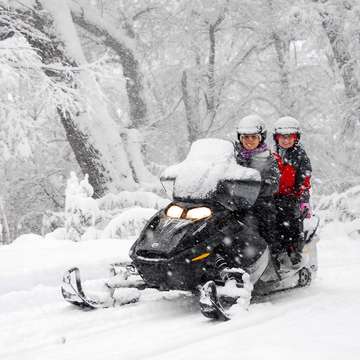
(214, 313)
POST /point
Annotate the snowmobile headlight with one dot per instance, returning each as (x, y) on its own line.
(174, 211)
(198, 213)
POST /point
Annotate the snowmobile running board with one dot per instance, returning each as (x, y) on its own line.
(217, 308)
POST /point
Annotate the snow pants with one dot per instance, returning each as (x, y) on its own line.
(264, 211)
(289, 222)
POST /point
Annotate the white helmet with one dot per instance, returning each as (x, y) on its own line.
(252, 124)
(287, 125)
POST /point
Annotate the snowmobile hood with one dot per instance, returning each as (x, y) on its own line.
(165, 237)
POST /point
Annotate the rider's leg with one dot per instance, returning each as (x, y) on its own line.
(266, 213)
(289, 224)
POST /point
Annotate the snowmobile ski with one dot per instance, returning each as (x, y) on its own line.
(72, 291)
(209, 303)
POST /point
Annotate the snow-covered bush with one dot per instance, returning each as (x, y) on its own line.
(113, 216)
(128, 223)
(58, 234)
(127, 199)
(30, 223)
(51, 221)
(81, 210)
(28, 238)
(343, 207)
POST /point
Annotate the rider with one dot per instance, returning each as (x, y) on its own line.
(251, 151)
(292, 199)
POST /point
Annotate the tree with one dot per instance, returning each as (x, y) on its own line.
(335, 18)
(108, 163)
(122, 43)
(44, 74)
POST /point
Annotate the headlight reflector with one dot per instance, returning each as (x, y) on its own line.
(174, 211)
(198, 213)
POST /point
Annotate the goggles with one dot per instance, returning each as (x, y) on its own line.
(286, 136)
(251, 137)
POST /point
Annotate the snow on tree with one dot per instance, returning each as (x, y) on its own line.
(34, 152)
(123, 43)
(22, 74)
(338, 19)
(95, 122)
(109, 164)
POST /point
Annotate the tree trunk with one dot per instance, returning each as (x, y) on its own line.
(211, 72)
(192, 123)
(282, 54)
(350, 122)
(85, 149)
(347, 67)
(5, 228)
(86, 154)
(130, 65)
(93, 135)
(211, 98)
(134, 87)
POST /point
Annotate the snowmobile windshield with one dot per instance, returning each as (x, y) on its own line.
(210, 172)
(237, 194)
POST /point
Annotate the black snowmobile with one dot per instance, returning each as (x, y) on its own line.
(210, 213)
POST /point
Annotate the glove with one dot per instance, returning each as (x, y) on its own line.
(305, 209)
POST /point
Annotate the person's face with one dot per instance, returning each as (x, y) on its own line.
(251, 141)
(286, 141)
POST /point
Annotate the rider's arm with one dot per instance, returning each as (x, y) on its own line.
(304, 176)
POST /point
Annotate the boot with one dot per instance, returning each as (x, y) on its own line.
(225, 272)
(295, 256)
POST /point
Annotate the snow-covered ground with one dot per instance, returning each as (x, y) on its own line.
(319, 322)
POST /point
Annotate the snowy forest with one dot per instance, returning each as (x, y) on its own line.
(99, 99)
(118, 90)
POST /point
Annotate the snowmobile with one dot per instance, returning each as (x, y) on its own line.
(212, 198)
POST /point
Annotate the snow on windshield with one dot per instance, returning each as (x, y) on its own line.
(208, 162)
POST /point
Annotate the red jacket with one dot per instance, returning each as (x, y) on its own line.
(295, 172)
